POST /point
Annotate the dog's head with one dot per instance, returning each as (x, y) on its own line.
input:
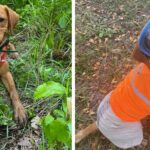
(8, 20)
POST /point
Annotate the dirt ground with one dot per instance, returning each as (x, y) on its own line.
(106, 32)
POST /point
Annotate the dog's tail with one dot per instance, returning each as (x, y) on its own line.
(85, 132)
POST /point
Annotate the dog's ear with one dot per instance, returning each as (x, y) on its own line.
(13, 18)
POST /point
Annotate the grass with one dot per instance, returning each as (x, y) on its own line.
(43, 40)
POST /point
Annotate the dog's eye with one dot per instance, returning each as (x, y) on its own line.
(2, 19)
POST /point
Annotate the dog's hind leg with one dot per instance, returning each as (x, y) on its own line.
(85, 132)
(19, 112)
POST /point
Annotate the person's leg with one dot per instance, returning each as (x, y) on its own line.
(85, 132)
(122, 134)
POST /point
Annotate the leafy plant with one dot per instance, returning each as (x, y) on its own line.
(56, 128)
(57, 131)
(48, 89)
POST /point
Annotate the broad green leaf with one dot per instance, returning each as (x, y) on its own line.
(49, 89)
(61, 128)
(48, 120)
(57, 131)
(63, 21)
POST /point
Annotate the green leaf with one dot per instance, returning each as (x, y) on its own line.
(49, 89)
(70, 126)
(45, 72)
(48, 120)
(50, 40)
(63, 21)
(59, 113)
(64, 105)
(61, 128)
(57, 131)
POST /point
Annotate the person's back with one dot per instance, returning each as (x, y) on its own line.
(130, 101)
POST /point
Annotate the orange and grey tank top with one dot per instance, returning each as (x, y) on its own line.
(130, 101)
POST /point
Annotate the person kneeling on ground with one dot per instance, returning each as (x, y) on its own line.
(120, 112)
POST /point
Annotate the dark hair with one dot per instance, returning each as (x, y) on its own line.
(140, 57)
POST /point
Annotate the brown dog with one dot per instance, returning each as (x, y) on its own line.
(8, 20)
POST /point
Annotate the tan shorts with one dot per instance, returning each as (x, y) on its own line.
(120, 133)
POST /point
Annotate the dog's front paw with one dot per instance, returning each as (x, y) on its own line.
(20, 114)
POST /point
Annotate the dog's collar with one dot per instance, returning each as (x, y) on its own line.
(5, 42)
(4, 46)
